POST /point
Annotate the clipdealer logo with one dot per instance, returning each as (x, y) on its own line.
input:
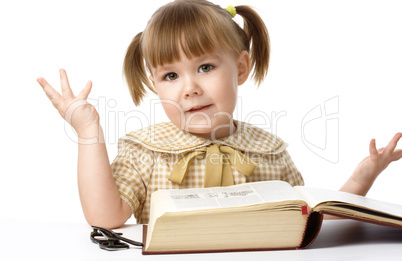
(320, 130)
(319, 126)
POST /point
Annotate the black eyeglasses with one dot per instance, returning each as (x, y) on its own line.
(109, 240)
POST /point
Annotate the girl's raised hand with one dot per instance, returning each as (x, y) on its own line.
(368, 170)
(74, 109)
(381, 158)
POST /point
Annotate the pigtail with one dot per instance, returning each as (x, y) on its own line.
(135, 72)
(256, 35)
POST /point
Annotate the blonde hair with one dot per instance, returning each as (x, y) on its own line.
(197, 27)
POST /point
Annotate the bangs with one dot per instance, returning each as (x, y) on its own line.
(194, 30)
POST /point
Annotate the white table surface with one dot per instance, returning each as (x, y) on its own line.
(338, 240)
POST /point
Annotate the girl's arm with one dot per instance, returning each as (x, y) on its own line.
(368, 170)
(100, 198)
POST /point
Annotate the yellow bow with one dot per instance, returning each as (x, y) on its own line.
(217, 169)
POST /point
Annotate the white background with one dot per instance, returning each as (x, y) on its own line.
(347, 52)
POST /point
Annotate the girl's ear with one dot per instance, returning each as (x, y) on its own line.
(243, 67)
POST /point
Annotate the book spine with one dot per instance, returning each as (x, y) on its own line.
(313, 226)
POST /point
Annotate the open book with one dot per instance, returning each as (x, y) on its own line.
(252, 216)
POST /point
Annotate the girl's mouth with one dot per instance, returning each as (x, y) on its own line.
(200, 108)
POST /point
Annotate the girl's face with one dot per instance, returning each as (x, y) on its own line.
(199, 94)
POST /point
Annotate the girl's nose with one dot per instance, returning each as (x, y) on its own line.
(192, 88)
(194, 93)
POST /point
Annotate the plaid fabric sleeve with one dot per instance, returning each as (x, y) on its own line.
(290, 173)
(131, 171)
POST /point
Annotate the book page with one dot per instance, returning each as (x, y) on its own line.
(316, 196)
(233, 196)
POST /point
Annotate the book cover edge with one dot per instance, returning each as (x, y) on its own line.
(313, 223)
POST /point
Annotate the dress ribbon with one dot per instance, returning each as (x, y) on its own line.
(218, 171)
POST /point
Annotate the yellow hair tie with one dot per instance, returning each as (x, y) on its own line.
(231, 10)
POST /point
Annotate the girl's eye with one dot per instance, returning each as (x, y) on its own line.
(171, 76)
(205, 68)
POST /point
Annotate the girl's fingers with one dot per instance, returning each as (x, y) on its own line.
(85, 91)
(51, 93)
(65, 85)
(373, 150)
(392, 144)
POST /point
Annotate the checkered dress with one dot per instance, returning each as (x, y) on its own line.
(146, 157)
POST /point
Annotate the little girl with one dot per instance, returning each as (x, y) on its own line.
(193, 55)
